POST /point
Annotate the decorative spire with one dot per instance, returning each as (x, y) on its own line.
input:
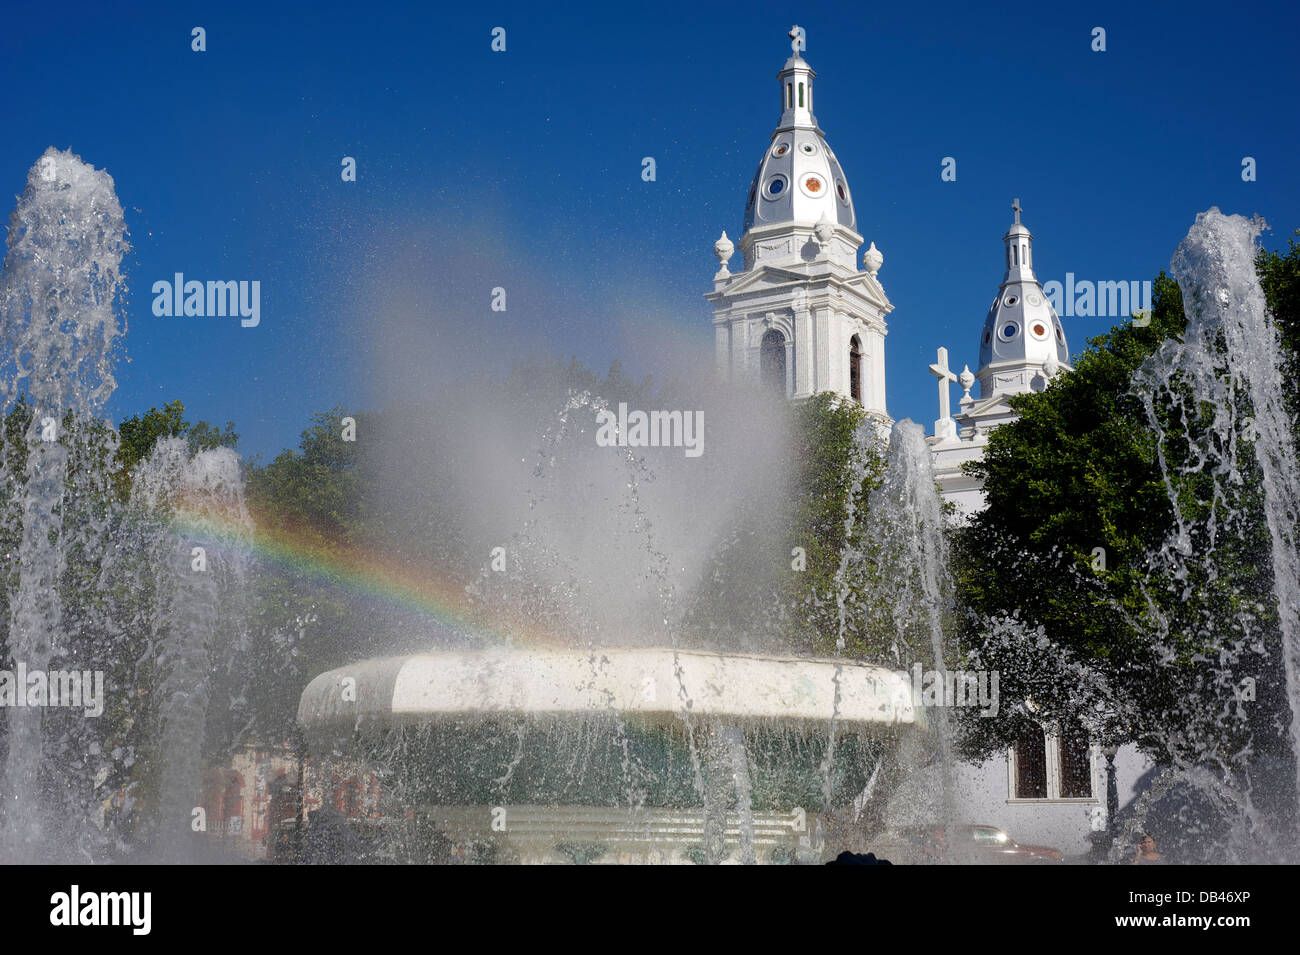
(796, 85)
(1020, 250)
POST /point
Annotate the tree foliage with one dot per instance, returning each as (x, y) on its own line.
(1067, 574)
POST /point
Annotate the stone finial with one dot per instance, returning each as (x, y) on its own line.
(1051, 366)
(872, 260)
(824, 231)
(724, 249)
(965, 379)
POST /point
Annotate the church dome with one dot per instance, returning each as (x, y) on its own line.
(798, 179)
(1021, 327)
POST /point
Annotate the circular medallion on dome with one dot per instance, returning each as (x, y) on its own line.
(1009, 331)
(775, 187)
(1060, 335)
(1033, 298)
(808, 149)
(781, 149)
(842, 190)
(1010, 301)
(987, 336)
(812, 185)
(1038, 330)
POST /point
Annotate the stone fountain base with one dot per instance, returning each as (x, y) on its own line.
(523, 755)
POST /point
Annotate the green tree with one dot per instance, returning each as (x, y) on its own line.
(1058, 574)
(139, 433)
(1279, 276)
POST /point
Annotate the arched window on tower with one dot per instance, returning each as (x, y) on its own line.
(855, 369)
(772, 361)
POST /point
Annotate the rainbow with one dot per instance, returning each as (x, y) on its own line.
(371, 575)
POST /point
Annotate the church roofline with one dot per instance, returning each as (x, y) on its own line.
(861, 284)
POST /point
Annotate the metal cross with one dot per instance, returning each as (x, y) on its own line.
(1015, 207)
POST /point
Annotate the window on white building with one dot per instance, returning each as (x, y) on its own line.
(1076, 764)
(1029, 762)
(1051, 765)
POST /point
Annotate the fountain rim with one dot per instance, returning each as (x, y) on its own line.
(635, 682)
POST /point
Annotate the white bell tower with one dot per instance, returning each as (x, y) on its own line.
(801, 317)
(1022, 348)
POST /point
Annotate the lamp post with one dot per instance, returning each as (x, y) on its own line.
(1112, 794)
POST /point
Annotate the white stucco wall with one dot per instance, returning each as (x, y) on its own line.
(984, 796)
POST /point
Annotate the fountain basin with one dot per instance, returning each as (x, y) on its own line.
(655, 685)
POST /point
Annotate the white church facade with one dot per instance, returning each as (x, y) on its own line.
(801, 317)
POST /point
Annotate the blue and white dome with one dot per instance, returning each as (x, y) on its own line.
(798, 179)
(1021, 329)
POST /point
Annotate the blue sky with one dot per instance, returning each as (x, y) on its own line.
(522, 169)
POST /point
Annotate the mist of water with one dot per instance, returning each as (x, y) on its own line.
(911, 580)
(190, 530)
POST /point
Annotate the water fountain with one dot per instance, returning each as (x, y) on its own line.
(732, 695)
(1215, 402)
(58, 319)
(1215, 266)
(910, 562)
(612, 733)
(142, 597)
(190, 533)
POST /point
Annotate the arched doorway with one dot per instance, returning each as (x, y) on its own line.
(772, 363)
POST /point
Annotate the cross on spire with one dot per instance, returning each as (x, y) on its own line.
(797, 40)
(1015, 207)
